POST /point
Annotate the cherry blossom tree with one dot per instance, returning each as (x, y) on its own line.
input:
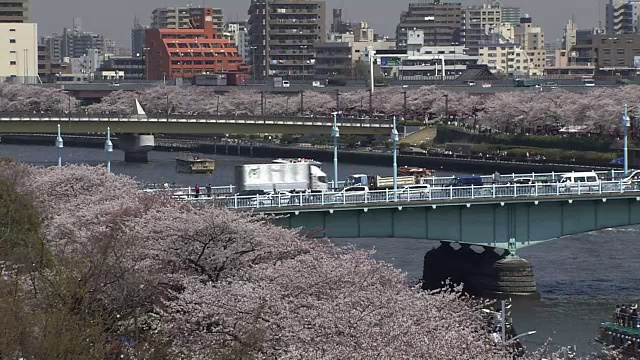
(179, 276)
(35, 99)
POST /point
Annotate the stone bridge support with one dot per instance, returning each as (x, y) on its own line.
(135, 146)
(482, 270)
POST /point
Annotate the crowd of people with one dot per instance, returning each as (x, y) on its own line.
(627, 315)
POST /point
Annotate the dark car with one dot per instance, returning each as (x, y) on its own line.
(461, 187)
(336, 82)
(466, 181)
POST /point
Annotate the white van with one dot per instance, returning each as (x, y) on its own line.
(580, 181)
(286, 83)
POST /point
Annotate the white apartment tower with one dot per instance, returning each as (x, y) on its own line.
(531, 40)
(569, 37)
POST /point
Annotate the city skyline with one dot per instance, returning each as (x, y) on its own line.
(114, 19)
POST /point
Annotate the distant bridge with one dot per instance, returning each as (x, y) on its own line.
(188, 124)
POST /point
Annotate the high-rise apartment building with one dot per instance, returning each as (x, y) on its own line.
(339, 26)
(237, 33)
(14, 11)
(52, 46)
(187, 18)
(440, 21)
(283, 33)
(480, 23)
(569, 35)
(511, 15)
(531, 40)
(19, 52)
(622, 16)
(137, 38)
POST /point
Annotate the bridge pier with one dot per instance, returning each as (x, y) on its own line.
(484, 273)
(136, 147)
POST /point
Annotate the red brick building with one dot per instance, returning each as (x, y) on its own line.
(186, 52)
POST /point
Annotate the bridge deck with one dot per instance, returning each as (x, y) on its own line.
(188, 124)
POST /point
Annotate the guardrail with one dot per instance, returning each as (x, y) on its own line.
(189, 192)
(418, 195)
(204, 118)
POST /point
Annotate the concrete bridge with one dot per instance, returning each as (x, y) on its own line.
(488, 223)
(135, 132)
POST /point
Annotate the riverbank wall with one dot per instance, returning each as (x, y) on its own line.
(450, 163)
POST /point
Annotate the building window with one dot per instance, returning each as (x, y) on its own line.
(620, 51)
(12, 41)
(12, 29)
(12, 62)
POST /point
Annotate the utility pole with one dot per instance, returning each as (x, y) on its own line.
(301, 102)
(108, 148)
(335, 133)
(394, 138)
(625, 127)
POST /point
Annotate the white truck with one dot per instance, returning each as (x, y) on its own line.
(291, 177)
(375, 182)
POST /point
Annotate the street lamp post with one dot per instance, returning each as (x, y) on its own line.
(301, 102)
(446, 105)
(625, 127)
(286, 109)
(394, 138)
(304, 49)
(371, 79)
(108, 149)
(218, 106)
(335, 133)
(262, 102)
(337, 100)
(168, 108)
(59, 146)
(404, 102)
(370, 103)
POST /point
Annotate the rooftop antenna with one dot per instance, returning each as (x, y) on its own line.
(599, 15)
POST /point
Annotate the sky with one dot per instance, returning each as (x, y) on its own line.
(114, 18)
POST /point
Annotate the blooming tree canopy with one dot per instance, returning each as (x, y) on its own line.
(199, 282)
(597, 108)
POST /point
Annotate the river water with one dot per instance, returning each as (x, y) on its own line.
(580, 278)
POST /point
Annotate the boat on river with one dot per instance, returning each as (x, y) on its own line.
(297, 161)
(623, 332)
(194, 164)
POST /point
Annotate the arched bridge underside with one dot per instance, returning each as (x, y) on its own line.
(506, 224)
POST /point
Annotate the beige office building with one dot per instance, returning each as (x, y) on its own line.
(19, 52)
(531, 40)
(507, 58)
(14, 11)
(480, 23)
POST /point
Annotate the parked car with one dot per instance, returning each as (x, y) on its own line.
(351, 194)
(632, 181)
(466, 181)
(415, 192)
(465, 187)
(277, 198)
(522, 186)
(471, 83)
